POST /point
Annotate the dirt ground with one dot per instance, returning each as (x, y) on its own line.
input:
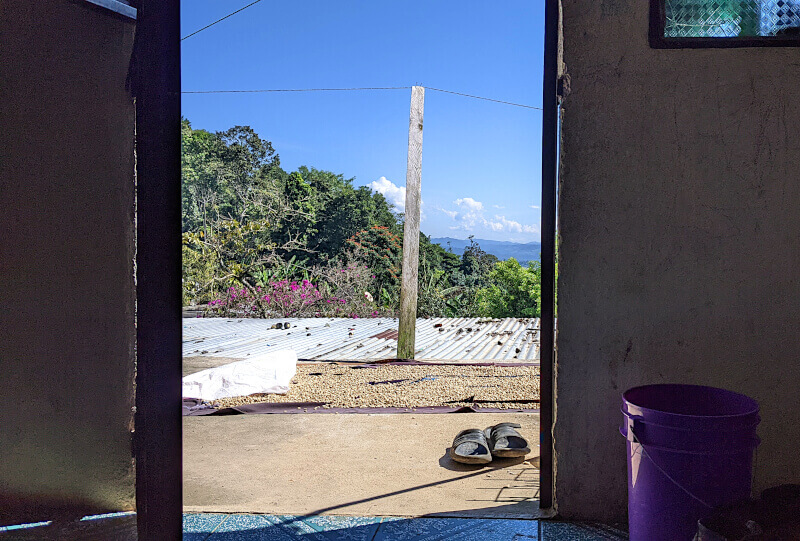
(353, 386)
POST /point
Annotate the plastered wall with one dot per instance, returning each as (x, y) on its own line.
(680, 240)
(67, 293)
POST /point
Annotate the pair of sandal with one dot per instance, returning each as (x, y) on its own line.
(476, 446)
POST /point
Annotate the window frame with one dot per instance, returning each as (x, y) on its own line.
(658, 21)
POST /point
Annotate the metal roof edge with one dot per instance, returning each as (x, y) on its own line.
(117, 6)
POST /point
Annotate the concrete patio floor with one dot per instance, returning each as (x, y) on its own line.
(353, 465)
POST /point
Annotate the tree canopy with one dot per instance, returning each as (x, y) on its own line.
(258, 240)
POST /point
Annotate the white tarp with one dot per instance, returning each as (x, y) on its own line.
(268, 373)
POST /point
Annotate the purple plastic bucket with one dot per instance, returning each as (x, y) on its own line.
(690, 449)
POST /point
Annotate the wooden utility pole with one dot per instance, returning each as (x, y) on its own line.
(410, 275)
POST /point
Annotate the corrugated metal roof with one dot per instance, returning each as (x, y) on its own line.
(123, 7)
(339, 339)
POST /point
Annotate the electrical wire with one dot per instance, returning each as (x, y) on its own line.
(220, 20)
(332, 89)
(294, 90)
(256, 91)
(482, 98)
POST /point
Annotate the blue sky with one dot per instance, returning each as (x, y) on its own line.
(481, 164)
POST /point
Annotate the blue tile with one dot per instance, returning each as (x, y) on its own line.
(215, 527)
(286, 528)
(567, 531)
(434, 529)
(333, 528)
(13, 527)
(201, 522)
(108, 515)
(248, 528)
(198, 526)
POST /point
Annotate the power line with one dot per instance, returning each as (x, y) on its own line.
(482, 98)
(294, 90)
(332, 89)
(257, 91)
(219, 20)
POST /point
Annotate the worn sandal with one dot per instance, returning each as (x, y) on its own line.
(505, 441)
(470, 447)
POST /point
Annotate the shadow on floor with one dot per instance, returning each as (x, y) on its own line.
(496, 464)
(525, 493)
(220, 527)
(215, 527)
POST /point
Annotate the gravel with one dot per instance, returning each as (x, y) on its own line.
(407, 386)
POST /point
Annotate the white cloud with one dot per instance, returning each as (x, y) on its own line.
(501, 223)
(498, 206)
(469, 216)
(535, 207)
(469, 213)
(396, 195)
(469, 204)
(494, 226)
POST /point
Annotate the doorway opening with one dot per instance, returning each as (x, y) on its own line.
(293, 419)
(317, 259)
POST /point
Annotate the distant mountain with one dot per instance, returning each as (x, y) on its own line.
(522, 252)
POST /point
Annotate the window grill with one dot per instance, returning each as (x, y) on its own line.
(724, 23)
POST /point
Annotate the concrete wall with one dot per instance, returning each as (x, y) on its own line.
(67, 292)
(680, 252)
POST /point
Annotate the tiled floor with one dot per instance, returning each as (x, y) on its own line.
(112, 526)
(240, 527)
(218, 527)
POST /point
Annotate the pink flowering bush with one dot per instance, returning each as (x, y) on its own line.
(282, 298)
(292, 299)
(348, 291)
(334, 291)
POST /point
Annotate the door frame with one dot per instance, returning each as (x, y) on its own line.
(157, 442)
(155, 79)
(550, 134)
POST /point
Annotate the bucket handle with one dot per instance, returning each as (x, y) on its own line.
(631, 432)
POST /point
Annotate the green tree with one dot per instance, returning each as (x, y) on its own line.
(351, 210)
(380, 251)
(201, 173)
(234, 209)
(301, 205)
(438, 295)
(466, 275)
(476, 264)
(239, 253)
(248, 223)
(513, 291)
(250, 188)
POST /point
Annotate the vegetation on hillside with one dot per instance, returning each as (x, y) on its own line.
(261, 241)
